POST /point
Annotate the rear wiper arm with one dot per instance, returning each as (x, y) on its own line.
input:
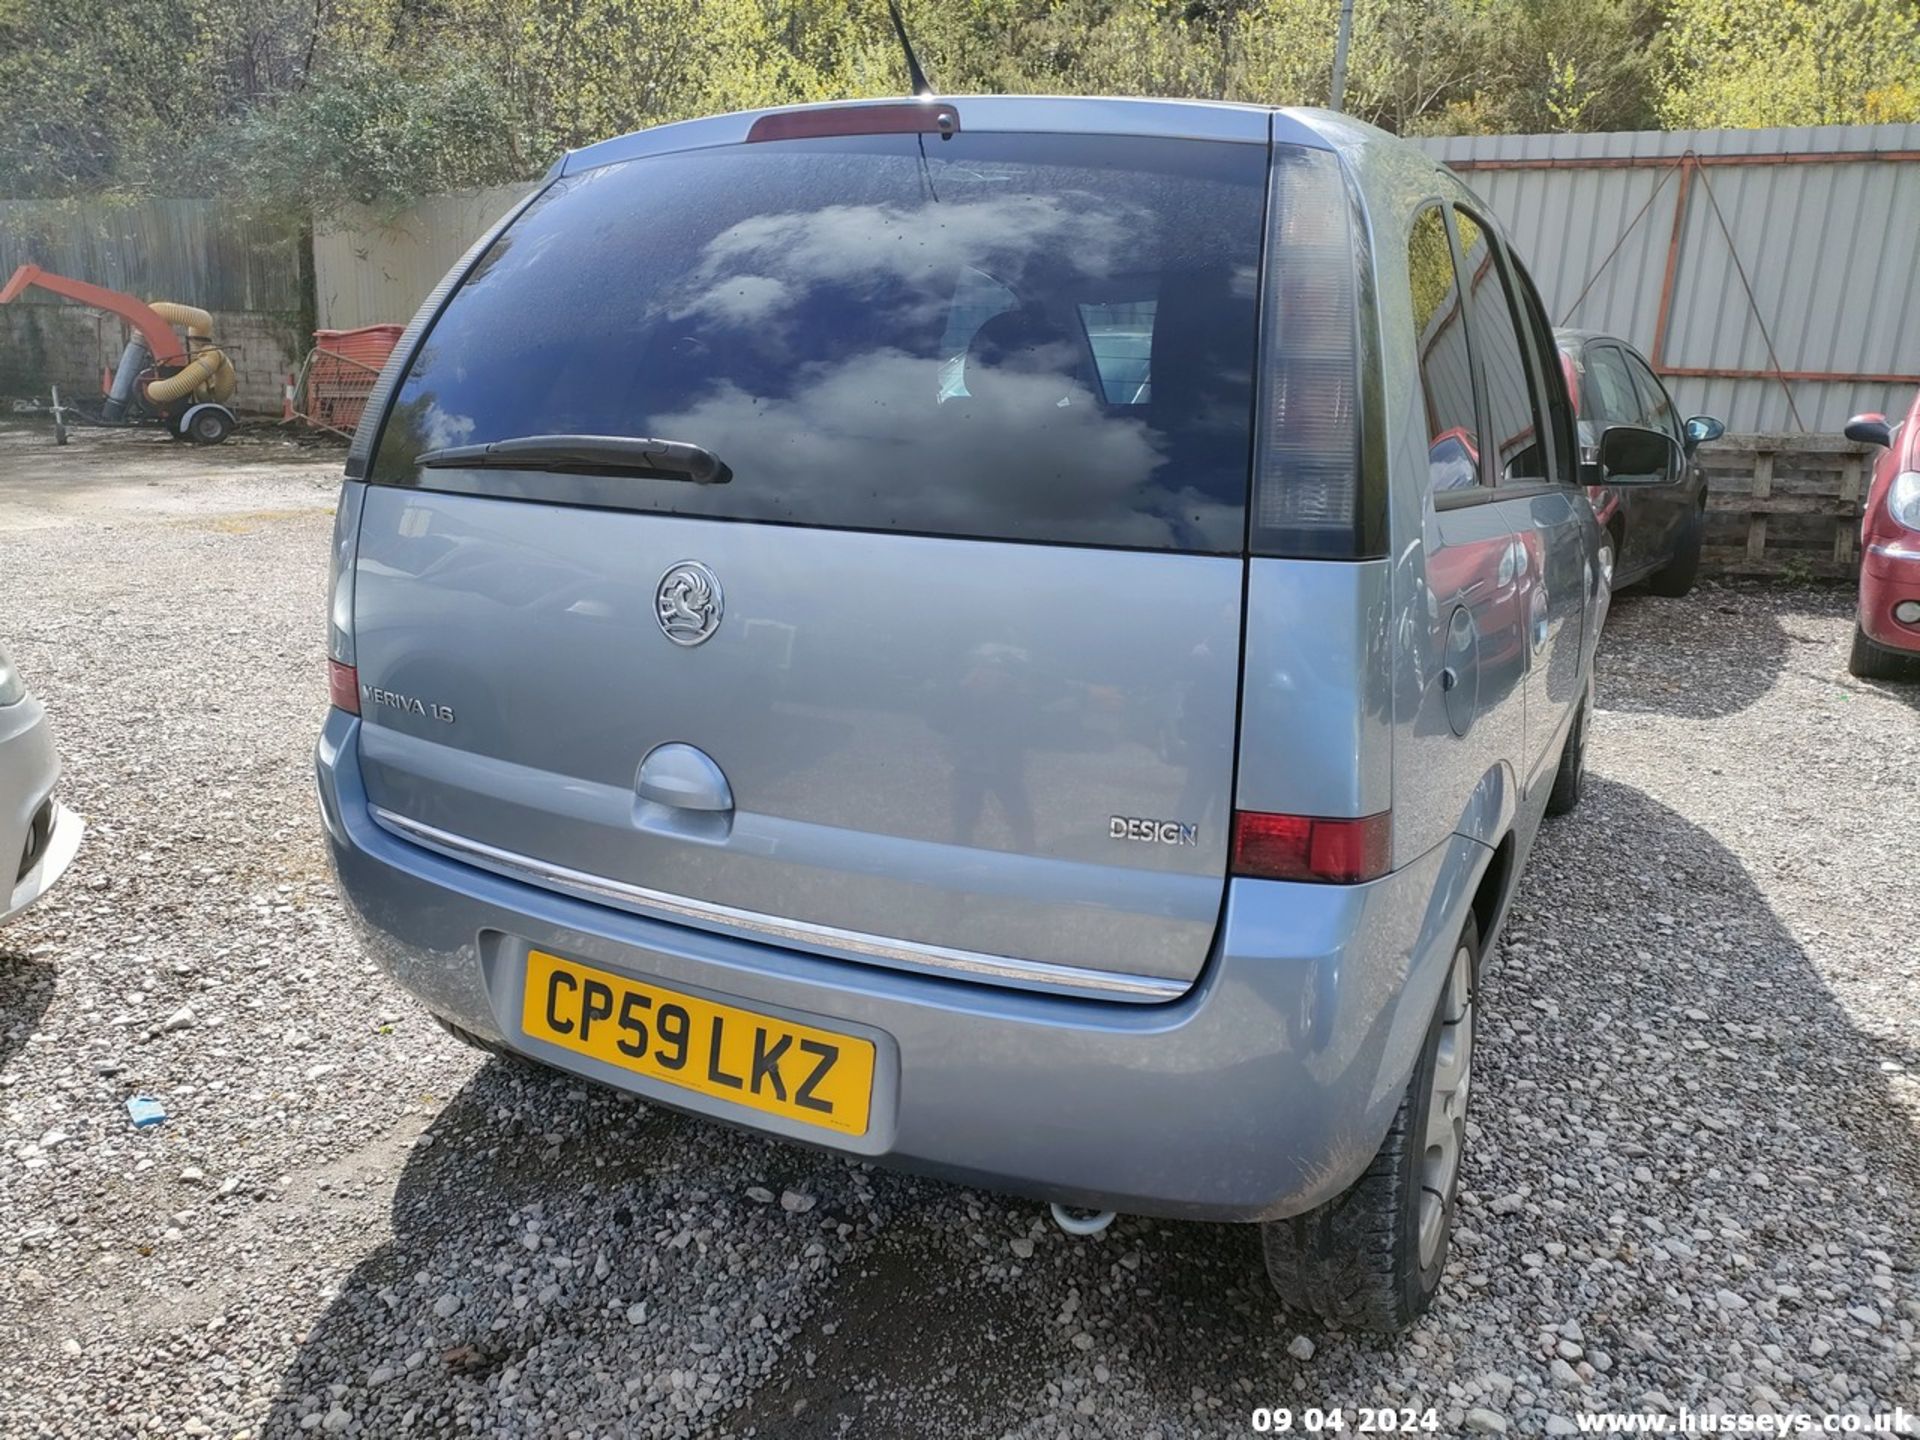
(589, 455)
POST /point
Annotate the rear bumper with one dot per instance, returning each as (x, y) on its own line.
(1888, 577)
(28, 769)
(1261, 1092)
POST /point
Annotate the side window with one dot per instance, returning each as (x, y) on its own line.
(1120, 335)
(1513, 415)
(1555, 399)
(1654, 401)
(1588, 420)
(1613, 392)
(977, 298)
(1446, 367)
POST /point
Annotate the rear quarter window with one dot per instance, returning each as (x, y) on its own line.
(1446, 368)
(1001, 336)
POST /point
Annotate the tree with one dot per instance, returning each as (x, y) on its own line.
(1791, 62)
(306, 105)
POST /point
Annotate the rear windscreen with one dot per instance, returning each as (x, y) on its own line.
(1031, 337)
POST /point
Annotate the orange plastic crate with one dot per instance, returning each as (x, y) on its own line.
(370, 344)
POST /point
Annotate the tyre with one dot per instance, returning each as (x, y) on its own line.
(209, 426)
(1875, 662)
(1676, 577)
(1572, 774)
(1372, 1257)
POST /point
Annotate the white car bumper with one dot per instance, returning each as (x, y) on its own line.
(62, 844)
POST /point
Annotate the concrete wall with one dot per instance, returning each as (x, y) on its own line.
(65, 345)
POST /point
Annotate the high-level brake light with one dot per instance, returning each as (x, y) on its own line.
(926, 117)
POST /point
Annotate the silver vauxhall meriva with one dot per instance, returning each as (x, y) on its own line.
(1026, 639)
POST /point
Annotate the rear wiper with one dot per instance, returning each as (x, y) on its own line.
(589, 455)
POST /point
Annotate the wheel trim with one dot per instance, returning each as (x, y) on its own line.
(1444, 1133)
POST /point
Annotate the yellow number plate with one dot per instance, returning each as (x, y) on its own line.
(795, 1071)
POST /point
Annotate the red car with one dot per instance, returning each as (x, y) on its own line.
(1886, 636)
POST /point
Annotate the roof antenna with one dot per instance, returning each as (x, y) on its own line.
(922, 86)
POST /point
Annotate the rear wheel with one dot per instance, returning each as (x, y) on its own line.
(1676, 577)
(1876, 662)
(1372, 1257)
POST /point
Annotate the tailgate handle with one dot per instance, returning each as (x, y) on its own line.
(683, 777)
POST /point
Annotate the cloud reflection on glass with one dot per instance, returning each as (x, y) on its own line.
(822, 315)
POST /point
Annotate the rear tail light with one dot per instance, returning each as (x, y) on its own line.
(343, 680)
(346, 541)
(1307, 499)
(1307, 847)
(343, 687)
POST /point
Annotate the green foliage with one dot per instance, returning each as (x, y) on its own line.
(1791, 62)
(307, 105)
(86, 94)
(366, 130)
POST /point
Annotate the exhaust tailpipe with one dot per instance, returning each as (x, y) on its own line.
(1089, 1223)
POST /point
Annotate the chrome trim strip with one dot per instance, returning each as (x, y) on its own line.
(903, 954)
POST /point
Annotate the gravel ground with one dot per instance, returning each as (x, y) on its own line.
(1692, 1181)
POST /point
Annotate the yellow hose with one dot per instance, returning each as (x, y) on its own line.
(209, 374)
(198, 374)
(197, 322)
(223, 379)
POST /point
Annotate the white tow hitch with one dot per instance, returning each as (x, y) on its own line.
(1086, 1223)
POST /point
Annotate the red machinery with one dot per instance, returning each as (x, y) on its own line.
(162, 379)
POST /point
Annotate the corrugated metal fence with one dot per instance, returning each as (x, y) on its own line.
(194, 252)
(1724, 255)
(372, 267)
(1660, 237)
(1730, 257)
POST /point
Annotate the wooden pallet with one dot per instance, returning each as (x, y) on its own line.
(1784, 506)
